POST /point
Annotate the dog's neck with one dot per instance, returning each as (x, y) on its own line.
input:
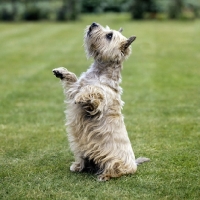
(109, 73)
(112, 70)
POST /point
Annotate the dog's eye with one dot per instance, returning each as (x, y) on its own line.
(109, 36)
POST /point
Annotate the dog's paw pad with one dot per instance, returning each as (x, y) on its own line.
(58, 74)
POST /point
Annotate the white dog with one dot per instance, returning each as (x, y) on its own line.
(95, 124)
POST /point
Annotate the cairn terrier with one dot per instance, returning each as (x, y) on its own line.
(95, 124)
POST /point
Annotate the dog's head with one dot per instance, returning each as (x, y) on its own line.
(106, 45)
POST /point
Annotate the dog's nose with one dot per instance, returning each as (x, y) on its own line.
(94, 24)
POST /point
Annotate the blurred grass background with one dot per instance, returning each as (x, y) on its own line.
(65, 10)
(162, 114)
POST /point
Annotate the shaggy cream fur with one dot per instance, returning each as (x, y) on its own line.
(95, 124)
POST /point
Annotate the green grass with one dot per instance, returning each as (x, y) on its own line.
(161, 82)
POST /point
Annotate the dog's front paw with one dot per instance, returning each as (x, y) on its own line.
(82, 100)
(60, 72)
(64, 74)
(91, 107)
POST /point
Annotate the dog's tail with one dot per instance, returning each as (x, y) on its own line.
(141, 160)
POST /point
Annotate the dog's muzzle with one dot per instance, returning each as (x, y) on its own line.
(93, 25)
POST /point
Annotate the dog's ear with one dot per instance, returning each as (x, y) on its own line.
(125, 44)
(129, 41)
(107, 27)
(121, 29)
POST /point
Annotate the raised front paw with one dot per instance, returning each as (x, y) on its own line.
(92, 107)
(60, 72)
(64, 74)
(91, 99)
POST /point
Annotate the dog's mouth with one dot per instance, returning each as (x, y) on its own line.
(92, 26)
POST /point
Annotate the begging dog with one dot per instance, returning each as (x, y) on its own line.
(96, 131)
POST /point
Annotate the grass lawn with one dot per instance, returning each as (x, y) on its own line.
(161, 82)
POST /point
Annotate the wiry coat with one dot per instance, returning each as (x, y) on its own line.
(95, 124)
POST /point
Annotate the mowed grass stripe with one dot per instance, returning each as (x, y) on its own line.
(31, 58)
(33, 37)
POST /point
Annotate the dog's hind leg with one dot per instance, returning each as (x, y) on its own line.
(115, 170)
(65, 76)
(92, 99)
